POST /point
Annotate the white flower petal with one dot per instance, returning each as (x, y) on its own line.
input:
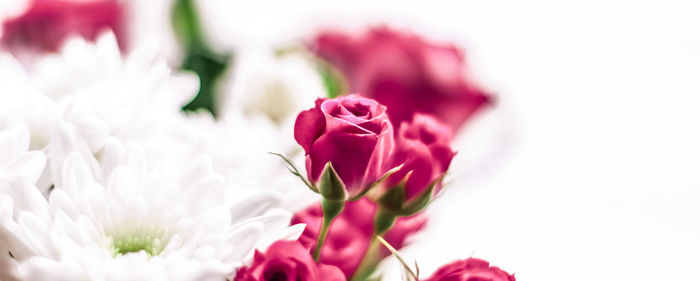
(41, 269)
(254, 205)
(242, 241)
(29, 166)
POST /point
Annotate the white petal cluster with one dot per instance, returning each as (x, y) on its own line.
(92, 88)
(102, 177)
(121, 220)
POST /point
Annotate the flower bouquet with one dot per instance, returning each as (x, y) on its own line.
(121, 159)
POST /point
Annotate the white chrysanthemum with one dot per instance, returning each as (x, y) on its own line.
(124, 221)
(91, 87)
(131, 95)
(273, 86)
(137, 99)
(239, 148)
(17, 163)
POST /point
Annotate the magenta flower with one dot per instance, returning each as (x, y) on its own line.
(470, 269)
(351, 133)
(423, 147)
(405, 73)
(287, 261)
(46, 24)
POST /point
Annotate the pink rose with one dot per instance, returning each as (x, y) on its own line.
(353, 134)
(45, 25)
(405, 73)
(423, 147)
(470, 270)
(350, 233)
(287, 261)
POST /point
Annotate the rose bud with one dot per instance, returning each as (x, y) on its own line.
(404, 72)
(350, 233)
(288, 261)
(348, 141)
(423, 147)
(469, 270)
(46, 24)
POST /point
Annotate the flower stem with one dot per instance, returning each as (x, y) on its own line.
(366, 266)
(383, 222)
(331, 209)
(321, 239)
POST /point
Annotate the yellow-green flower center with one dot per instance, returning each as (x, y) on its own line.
(125, 244)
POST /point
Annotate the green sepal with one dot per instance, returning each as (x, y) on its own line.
(331, 209)
(419, 203)
(383, 221)
(376, 183)
(331, 186)
(392, 200)
(293, 169)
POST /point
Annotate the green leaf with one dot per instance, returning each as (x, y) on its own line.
(333, 80)
(330, 185)
(186, 24)
(293, 169)
(199, 57)
(209, 67)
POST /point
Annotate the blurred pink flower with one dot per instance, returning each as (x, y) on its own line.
(405, 73)
(287, 260)
(47, 23)
(470, 269)
(350, 233)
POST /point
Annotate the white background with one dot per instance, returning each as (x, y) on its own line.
(594, 166)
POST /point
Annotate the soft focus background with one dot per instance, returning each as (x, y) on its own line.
(588, 167)
(596, 167)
